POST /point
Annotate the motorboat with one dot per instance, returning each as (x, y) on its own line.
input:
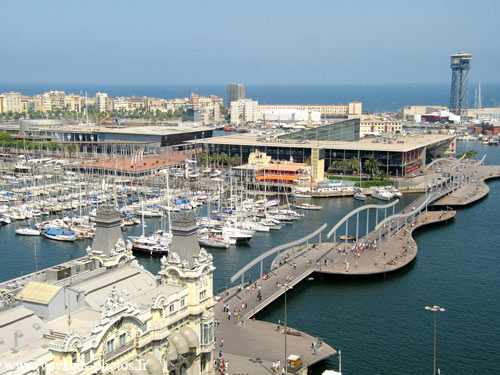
(359, 195)
(27, 231)
(211, 240)
(307, 206)
(240, 235)
(153, 250)
(395, 191)
(382, 194)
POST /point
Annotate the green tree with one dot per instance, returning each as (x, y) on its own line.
(6, 138)
(236, 160)
(344, 165)
(354, 164)
(335, 165)
(178, 113)
(52, 146)
(202, 158)
(224, 159)
(371, 166)
(214, 158)
(71, 148)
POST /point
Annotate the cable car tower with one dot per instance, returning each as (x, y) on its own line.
(459, 96)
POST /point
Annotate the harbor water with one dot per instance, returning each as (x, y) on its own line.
(379, 324)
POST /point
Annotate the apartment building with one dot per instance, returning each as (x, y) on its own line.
(243, 111)
(11, 102)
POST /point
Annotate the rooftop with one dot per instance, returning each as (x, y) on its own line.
(139, 130)
(400, 144)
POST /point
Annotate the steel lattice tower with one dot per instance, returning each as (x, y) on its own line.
(459, 96)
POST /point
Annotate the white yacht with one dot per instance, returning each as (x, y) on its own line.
(27, 231)
(307, 206)
(359, 195)
(212, 240)
(382, 194)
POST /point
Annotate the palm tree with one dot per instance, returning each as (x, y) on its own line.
(344, 166)
(371, 166)
(335, 165)
(224, 159)
(236, 160)
(202, 158)
(354, 164)
(214, 158)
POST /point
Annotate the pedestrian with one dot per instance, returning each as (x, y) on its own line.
(229, 315)
(315, 349)
(222, 342)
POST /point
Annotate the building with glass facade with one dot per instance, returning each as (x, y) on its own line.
(395, 155)
(347, 130)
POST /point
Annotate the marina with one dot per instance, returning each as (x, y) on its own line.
(179, 206)
(335, 266)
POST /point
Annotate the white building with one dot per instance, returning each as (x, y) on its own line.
(289, 115)
(101, 101)
(243, 111)
(12, 102)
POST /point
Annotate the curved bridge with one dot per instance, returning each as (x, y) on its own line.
(274, 250)
(356, 212)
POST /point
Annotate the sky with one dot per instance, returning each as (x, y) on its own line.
(253, 42)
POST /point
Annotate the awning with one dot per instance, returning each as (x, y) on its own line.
(190, 336)
(172, 352)
(180, 343)
(153, 366)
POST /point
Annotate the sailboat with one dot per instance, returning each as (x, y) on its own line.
(27, 231)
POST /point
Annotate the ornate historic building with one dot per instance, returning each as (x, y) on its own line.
(105, 314)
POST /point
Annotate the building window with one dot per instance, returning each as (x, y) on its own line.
(86, 356)
(203, 362)
(171, 308)
(183, 302)
(121, 340)
(74, 357)
(203, 294)
(110, 346)
(205, 339)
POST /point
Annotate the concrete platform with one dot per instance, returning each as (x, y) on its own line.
(251, 346)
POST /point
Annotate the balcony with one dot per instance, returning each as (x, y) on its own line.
(108, 357)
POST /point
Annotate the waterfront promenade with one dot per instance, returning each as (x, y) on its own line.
(253, 344)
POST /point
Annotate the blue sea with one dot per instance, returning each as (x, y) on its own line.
(375, 97)
(380, 324)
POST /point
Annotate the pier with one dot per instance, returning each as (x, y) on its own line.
(377, 247)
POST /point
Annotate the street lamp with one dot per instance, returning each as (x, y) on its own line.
(435, 309)
(286, 287)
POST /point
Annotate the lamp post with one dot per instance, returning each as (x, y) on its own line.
(286, 287)
(435, 309)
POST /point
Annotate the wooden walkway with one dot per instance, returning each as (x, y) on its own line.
(253, 344)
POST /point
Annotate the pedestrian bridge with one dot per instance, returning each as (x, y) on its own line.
(452, 175)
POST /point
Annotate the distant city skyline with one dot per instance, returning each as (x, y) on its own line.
(279, 42)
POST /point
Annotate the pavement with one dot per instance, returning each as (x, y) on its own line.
(251, 345)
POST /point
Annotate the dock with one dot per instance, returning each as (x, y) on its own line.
(253, 345)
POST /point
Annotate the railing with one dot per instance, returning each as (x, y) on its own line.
(119, 351)
(275, 250)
